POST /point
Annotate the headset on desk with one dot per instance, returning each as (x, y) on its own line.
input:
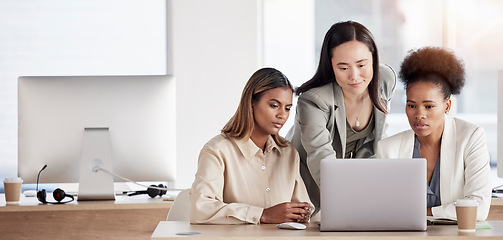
(58, 193)
(152, 190)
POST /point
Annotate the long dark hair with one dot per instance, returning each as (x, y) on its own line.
(338, 34)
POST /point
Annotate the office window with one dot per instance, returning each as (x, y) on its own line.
(473, 29)
(58, 37)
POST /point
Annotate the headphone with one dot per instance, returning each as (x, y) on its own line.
(58, 194)
(152, 192)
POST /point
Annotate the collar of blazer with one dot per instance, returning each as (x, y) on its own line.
(340, 117)
(387, 88)
(447, 153)
(340, 114)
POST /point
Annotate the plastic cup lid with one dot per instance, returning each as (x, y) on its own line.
(13, 180)
(466, 202)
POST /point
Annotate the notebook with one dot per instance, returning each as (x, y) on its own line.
(373, 194)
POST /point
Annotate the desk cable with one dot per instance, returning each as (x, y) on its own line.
(496, 190)
(98, 168)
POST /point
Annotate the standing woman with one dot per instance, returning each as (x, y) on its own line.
(248, 173)
(341, 111)
(456, 152)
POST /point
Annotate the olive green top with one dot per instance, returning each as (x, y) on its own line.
(355, 138)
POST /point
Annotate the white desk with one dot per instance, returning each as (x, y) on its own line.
(169, 230)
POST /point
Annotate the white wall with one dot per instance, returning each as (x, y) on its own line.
(289, 43)
(59, 37)
(216, 47)
(213, 48)
(500, 124)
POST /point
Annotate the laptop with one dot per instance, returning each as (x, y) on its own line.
(373, 194)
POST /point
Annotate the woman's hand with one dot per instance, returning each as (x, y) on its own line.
(287, 212)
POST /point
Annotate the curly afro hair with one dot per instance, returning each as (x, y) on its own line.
(436, 65)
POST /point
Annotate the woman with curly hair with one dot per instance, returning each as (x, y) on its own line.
(456, 153)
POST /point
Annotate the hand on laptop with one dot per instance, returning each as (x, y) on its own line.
(287, 212)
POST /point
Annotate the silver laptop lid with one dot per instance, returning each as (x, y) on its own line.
(373, 194)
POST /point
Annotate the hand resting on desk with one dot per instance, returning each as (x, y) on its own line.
(287, 212)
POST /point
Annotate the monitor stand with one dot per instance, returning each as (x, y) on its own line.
(96, 151)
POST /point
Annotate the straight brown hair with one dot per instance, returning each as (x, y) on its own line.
(242, 123)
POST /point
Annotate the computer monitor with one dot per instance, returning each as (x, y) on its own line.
(136, 112)
(500, 125)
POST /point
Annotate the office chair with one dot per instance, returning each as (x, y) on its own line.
(180, 210)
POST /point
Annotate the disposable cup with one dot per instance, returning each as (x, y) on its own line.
(12, 187)
(466, 212)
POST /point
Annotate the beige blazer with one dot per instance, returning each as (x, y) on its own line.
(319, 129)
(464, 164)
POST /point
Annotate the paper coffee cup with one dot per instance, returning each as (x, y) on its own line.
(12, 187)
(466, 212)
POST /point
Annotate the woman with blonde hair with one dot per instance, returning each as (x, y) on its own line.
(248, 173)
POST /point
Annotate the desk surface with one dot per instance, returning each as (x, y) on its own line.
(133, 217)
(169, 230)
(121, 202)
(496, 210)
